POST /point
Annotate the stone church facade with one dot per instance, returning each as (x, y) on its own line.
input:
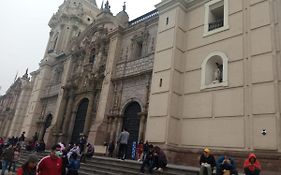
(187, 75)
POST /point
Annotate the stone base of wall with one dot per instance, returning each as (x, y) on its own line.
(269, 160)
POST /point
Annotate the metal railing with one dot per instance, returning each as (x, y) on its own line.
(144, 17)
(215, 24)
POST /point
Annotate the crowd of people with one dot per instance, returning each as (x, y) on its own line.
(225, 165)
(65, 159)
(62, 160)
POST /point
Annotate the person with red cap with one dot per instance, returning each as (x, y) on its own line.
(251, 165)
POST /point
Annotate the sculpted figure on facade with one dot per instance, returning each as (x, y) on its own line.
(218, 71)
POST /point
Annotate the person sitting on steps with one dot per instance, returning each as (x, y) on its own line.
(207, 162)
(226, 166)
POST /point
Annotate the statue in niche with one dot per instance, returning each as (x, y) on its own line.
(218, 73)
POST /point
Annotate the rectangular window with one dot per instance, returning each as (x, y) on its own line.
(216, 16)
(139, 50)
(167, 20)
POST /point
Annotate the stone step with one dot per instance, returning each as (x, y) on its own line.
(134, 165)
(111, 166)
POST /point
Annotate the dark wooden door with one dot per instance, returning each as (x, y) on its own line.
(80, 120)
(131, 122)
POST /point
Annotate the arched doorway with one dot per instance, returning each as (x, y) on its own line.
(131, 122)
(79, 120)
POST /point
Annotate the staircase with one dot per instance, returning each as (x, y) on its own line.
(111, 166)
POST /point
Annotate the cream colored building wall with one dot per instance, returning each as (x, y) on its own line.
(21, 109)
(223, 117)
(35, 106)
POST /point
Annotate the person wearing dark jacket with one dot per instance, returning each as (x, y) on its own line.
(8, 156)
(159, 159)
(226, 164)
(64, 161)
(251, 165)
(74, 165)
(145, 150)
(148, 161)
(207, 162)
(29, 167)
(111, 148)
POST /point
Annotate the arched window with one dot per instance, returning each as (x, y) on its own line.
(214, 70)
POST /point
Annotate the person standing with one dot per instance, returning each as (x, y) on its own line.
(22, 137)
(123, 144)
(29, 167)
(52, 164)
(82, 144)
(15, 160)
(8, 156)
(74, 165)
(110, 149)
(251, 165)
(35, 137)
(148, 160)
(207, 162)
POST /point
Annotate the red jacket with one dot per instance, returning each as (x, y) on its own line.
(49, 166)
(254, 166)
(20, 171)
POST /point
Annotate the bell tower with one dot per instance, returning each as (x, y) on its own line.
(71, 19)
(68, 22)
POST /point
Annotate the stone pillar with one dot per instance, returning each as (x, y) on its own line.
(67, 118)
(7, 127)
(61, 113)
(119, 120)
(41, 124)
(143, 117)
(2, 125)
(70, 126)
(114, 122)
(89, 116)
(109, 128)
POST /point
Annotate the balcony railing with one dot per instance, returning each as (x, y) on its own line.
(144, 17)
(215, 24)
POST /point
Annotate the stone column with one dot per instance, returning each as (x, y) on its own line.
(2, 127)
(70, 126)
(7, 127)
(67, 117)
(89, 116)
(114, 121)
(61, 113)
(119, 120)
(143, 117)
(109, 128)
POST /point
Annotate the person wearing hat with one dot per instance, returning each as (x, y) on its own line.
(207, 162)
(29, 167)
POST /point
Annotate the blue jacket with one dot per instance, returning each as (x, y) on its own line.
(73, 164)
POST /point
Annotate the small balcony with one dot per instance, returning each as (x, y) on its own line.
(216, 24)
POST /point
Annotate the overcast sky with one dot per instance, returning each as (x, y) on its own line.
(24, 32)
